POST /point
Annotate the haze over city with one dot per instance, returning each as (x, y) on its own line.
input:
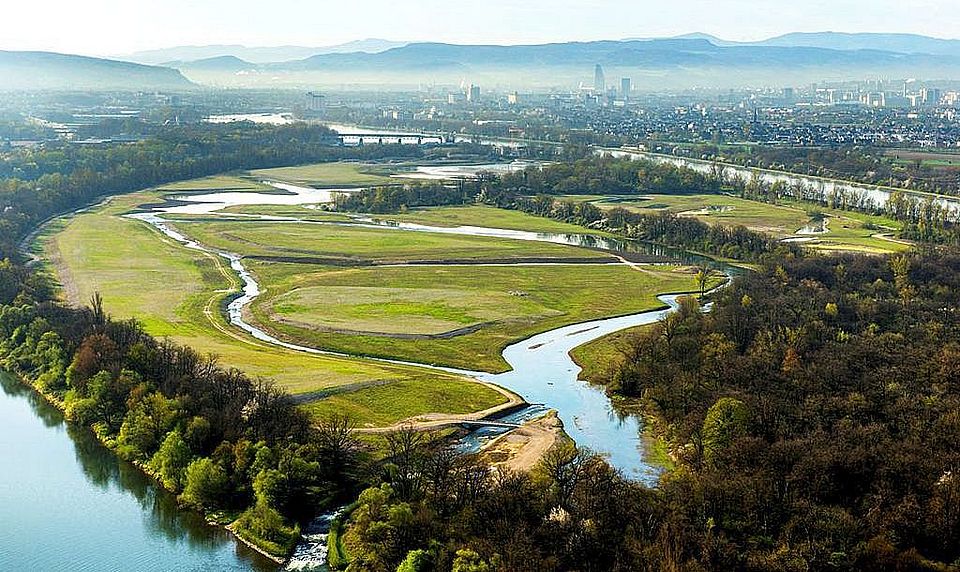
(480, 286)
(116, 27)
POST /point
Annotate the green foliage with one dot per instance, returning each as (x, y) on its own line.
(725, 422)
(205, 484)
(266, 528)
(171, 461)
(416, 561)
(467, 560)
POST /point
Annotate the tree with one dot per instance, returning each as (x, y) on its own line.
(205, 485)
(171, 461)
(416, 561)
(705, 274)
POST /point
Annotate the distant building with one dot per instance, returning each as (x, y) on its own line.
(873, 99)
(473, 94)
(314, 101)
(455, 98)
(626, 87)
(513, 98)
(930, 96)
(599, 80)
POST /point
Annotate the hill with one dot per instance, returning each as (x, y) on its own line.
(900, 43)
(257, 55)
(52, 71)
(662, 63)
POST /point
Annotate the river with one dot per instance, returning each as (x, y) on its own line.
(878, 195)
(68, 503)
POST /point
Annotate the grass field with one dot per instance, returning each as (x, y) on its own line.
(329, 175)
(848, 231)
(470, 215)
(358, 244)
(385, 405)
(721, 209)
(216, 183)
(176, 293)
(486, 216)
(397, 312)
(601, 357)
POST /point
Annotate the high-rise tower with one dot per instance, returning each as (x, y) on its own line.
(599, 81)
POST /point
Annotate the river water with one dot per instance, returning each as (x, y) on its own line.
(877, 195)
(68, 503)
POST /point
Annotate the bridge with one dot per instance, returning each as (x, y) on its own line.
(394, 138)
(482, 423)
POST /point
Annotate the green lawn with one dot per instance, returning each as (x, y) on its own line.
(357, 244)
(176, 292)
(396, 312)
(385, 405)
(328, 175)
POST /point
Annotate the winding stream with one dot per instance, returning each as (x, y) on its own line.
(542, 371)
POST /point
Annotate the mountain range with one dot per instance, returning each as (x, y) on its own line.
(899, 43)
(257, 55)
(694, 60)
(52, 71)
(683, 62)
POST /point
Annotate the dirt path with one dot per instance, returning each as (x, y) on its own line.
(521, 449)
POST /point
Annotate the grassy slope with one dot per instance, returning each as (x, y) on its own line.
(141, 274)
(552, 296)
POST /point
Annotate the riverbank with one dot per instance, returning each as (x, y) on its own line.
(110, 444)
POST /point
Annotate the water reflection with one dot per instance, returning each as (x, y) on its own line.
(96, 513)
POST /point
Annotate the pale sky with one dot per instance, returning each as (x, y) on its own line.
(111, 27)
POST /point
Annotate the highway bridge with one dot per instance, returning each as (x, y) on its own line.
(368, 138)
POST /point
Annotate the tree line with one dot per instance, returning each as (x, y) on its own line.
(813, 416)
(36, 183)
(534, 190)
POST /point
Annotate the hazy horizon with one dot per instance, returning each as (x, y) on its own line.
(114, 27)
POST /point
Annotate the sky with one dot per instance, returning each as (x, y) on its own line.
(116, 27)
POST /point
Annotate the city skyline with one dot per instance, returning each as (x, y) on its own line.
(114, 27)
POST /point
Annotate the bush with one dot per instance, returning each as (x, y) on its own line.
(265, 527)
(205, 485)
